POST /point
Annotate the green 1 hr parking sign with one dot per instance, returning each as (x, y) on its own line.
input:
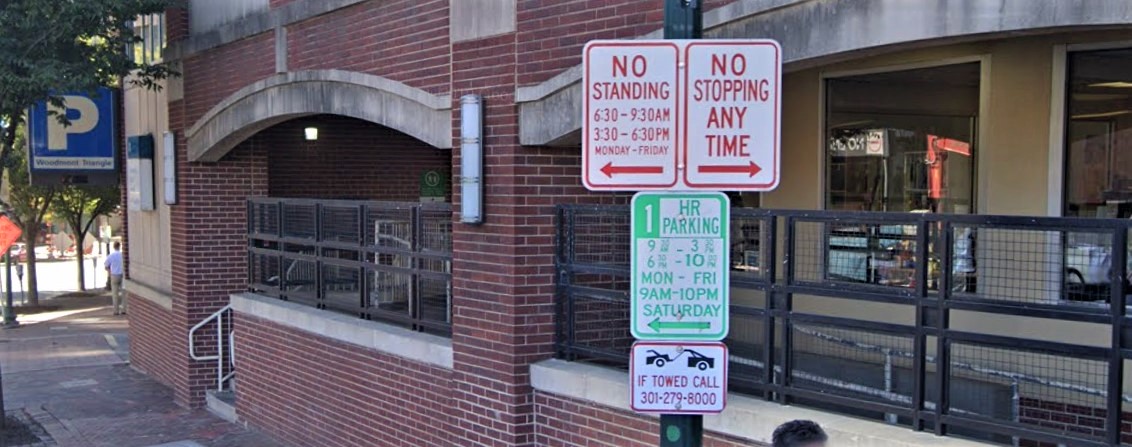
(680, 266)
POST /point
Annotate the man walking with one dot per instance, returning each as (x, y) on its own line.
(114, 269)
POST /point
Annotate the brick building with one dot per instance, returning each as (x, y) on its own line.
(304, 225)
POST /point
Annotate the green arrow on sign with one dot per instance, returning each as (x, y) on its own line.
(657, 325)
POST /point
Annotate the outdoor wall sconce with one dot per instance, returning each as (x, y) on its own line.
(311, 133)
(471, 159)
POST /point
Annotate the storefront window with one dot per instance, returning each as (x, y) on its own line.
(1098, 155)
(903, 141)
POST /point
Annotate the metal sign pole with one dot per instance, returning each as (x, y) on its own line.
(10, 310)
(683, 19)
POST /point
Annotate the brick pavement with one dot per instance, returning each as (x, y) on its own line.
(71, 375)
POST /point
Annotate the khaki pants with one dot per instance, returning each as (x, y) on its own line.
(116, 294)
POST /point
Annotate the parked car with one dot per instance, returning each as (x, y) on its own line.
(19, 251)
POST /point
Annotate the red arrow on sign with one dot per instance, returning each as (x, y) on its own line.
(609, 170)
(752, 169)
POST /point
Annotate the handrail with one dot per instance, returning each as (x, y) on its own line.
(218, 316)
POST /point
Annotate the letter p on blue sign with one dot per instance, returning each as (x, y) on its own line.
(86, 143)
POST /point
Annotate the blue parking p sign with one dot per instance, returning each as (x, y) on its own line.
(87, 145)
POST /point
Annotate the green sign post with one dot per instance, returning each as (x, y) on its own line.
(683, 19)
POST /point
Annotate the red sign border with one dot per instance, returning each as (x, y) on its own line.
(676, 149)
(633, 374)
(757, 187)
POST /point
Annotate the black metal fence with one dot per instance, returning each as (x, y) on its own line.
(1005, 329)
(376, 260)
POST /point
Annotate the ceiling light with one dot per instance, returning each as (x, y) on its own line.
(1113, 84)
(1102, 115)
(311, 133)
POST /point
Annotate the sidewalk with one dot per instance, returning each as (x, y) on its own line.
(69, 372)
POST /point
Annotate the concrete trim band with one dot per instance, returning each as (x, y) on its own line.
(392, 340)
(745, 417)
(286, 96)
(814, 32)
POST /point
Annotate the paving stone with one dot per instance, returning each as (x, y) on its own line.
(77, 385)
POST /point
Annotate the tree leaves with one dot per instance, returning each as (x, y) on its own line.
(49, 47)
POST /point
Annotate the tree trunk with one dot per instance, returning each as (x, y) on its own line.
(82, 273)
(32, 292)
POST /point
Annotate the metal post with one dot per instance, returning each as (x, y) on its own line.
(93, 272)
(9, 309)
(683, 19)
(1115, 402)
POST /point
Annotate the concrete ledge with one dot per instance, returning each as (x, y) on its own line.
(149, 294)
(415, 346)
(744, 417)
(284, 96)
(222, 404)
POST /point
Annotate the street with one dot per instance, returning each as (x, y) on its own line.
(57, 277)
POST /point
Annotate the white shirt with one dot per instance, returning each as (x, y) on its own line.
(114, 263)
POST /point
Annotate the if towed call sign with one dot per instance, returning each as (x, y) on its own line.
(678, 377)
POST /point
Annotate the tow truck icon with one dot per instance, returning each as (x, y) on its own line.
(695, 359)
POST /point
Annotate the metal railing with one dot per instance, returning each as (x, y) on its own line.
(1004, 329)
(221, 321)
(383, 261)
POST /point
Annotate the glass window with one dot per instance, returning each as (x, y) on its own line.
(903, 141)
(151, 30)
(1098, 158)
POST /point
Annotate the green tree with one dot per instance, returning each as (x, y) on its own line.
(30, 205)
(79, 206)
(50, 47)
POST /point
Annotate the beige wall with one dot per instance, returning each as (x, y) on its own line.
(150, 261)
(1013, 126)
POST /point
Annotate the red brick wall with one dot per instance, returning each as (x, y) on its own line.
(209, 247)
(312, 391)
(1075, 420)
(211, 76)
(155, 342)
(352, 159)
(553, 32)
(489, 353)
(503, 270)
(403, 40)
(565, 422)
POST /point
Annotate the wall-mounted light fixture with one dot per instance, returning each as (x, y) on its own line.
(169, 168)
(471, 159)
(311, 133)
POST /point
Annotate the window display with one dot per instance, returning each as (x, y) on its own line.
(1098, 158)
(903, 141)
